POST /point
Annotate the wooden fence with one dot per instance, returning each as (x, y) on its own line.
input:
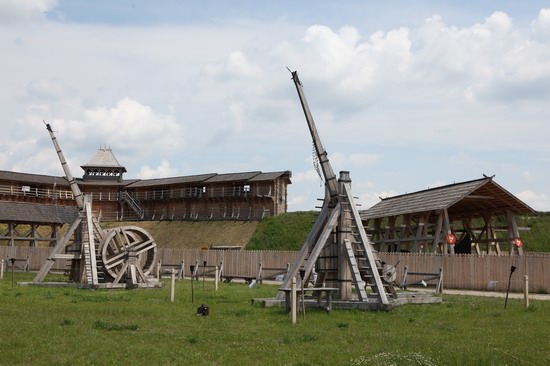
(479, 272)
(471, 271)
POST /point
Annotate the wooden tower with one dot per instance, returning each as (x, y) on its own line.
(120, 257)
(338, 246)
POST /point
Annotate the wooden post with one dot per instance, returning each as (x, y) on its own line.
(172, 284)
(344, 232)
(1, 269)
(293, 300)
(439, 286)
(526, 290)
(159, 265)
(192, 269)
(203, 273)
(216, 280)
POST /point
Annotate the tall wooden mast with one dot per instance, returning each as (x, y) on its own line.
(78, 197)
(330, 178)
(348, 257)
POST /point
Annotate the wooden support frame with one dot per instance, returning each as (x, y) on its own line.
(425, 278)
(30, 234)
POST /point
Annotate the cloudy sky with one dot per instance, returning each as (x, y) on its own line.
(406, 95)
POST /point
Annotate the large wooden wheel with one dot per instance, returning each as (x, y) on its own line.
(128, 247)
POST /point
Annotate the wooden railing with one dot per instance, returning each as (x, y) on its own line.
(154, 195)
(202, 192)
(33, 192)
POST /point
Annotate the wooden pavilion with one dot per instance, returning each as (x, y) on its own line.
(474, 216)
(34, 225)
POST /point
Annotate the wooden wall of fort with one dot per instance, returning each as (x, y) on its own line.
(194, 201)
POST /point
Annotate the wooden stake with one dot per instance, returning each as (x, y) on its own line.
(1, 269)
(217, 275)
(172, 285)
(293, 300)
(526, 290)
(159, 266)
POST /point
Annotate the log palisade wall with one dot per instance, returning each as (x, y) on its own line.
(472, 272)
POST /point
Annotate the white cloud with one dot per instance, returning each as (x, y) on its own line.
(367, 200)
(236, 66)
(48, 88)
(307, 176)
(489, 60)
(538, 201)
(541, 25)
(296, 203)
(129, 125)
(358, 160)
(349, 66)
(528, 175)
(16, 11)
(162, 171)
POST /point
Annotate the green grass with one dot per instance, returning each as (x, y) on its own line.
(284, 232)
(68, 326)
(288, 231)
(537, 239)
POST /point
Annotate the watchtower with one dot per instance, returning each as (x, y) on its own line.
(103, 166)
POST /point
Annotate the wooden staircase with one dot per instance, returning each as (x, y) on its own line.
(133, 203)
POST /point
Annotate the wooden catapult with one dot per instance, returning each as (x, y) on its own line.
(338, 246)
(122, 257)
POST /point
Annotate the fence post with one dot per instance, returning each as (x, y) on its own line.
(172, 284)
(293, 300)
(439, 287)
(1, 269)
(159, 265)
(217, 274)
(526, 290)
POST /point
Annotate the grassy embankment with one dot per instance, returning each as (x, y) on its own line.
(287, 232)
(284, 232)
(67, 326)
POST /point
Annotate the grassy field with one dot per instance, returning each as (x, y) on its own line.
(68, 326)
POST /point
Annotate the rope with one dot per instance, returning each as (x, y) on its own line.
(316, 164)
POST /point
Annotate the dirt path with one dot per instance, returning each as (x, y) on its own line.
(511, 295)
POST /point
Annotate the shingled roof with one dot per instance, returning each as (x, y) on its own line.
(36, 213)
(23, 178)
(103, 158)
(245, 177)
(467, 197)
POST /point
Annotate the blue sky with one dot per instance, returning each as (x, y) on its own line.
(406, 94)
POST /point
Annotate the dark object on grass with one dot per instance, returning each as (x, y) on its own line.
(202, 310)
(512, 269)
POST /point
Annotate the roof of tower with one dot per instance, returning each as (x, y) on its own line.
(103, 158)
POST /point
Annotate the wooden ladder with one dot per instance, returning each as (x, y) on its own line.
(368, 263)
(355, 272)
(91, 240)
